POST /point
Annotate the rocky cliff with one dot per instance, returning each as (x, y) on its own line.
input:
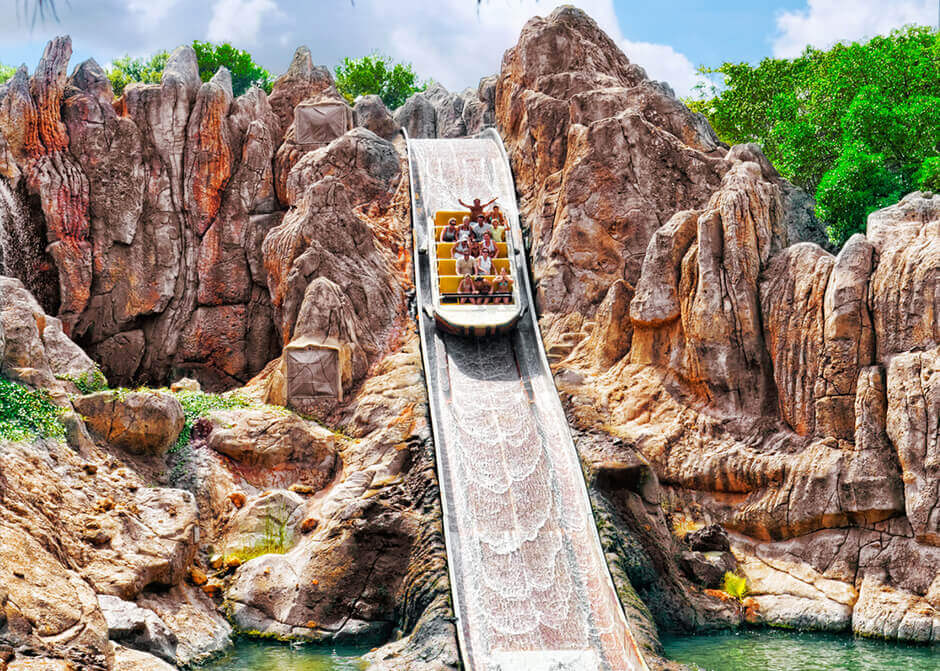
(742, 397)
(779, 390)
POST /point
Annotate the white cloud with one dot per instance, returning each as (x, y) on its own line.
(239, 21)
(824, 22)
(150, 11)
(664, 63)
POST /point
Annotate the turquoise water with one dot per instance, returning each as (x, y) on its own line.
(794, 651)
(248, 655)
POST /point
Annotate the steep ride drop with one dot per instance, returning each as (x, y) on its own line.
(530, 584)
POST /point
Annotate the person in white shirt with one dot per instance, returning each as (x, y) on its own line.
(484, 264)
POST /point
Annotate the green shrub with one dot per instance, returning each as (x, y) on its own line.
(6, 72)
(245, 72)
(377, 75)
(26, 414)
(735, 585)
(88, 382)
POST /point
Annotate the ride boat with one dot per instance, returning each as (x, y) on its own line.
(471, 314)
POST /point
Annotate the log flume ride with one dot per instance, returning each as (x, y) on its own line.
(530, 585)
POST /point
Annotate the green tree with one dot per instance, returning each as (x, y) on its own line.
(245, 72)
(377, 74)
(857, 124)
(6, 72)
(125, 71)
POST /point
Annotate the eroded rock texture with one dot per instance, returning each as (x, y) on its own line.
(689, 309)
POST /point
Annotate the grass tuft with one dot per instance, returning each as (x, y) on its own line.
(735, 585)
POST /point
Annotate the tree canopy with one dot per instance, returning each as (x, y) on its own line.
(377, 74)
(245, 72)
(858, 124)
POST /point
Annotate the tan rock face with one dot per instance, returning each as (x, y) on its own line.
(905, 299)
(322, 237)
(275, 440)
(48, 607)
(913, 425)
(773, 386)
(596, 172)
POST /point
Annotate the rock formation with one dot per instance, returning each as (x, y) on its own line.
(722, 369)
(770, 385)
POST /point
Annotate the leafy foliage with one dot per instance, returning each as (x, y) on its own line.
(378, 75)
(245, 72)
(88, 382)
(26, 414)
(927, 176)
(6, 72)
(735, 585)
(857, 124)
(125, 71)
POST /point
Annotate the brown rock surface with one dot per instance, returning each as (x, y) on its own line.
(301, 81)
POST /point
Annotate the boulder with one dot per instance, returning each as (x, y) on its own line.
(35, 349)
(268, 438)
(448, 108)
(371, 113)
(707, 568)
(127, 659)
(137, 627)
(268, 523)
(417, 116)
(712, 538)
(141, 422)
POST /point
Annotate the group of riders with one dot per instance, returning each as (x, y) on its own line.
(474, 249)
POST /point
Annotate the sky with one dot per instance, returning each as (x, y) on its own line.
(455, 42)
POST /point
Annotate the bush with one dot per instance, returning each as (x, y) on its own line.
(735, 585)
(828, 117)
(377, 75)
(245, 72)
(26, 414)
(6, 72)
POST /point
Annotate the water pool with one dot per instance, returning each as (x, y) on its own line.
(250, 655)
(770, 650)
